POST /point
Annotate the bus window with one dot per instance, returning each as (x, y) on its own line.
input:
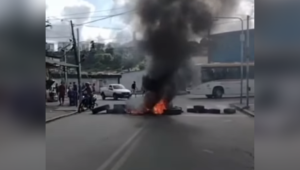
(251, 72)
(219, 73)
(207, 74)
(233, 73)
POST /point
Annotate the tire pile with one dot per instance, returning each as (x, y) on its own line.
(121, 109)
(201, 109)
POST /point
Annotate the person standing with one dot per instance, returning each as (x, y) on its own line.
(133, 88)
(75, 93)
(62, 92)
(94, 88)
(56, 88)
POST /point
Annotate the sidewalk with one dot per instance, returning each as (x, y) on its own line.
(241, 107)
(54, 111)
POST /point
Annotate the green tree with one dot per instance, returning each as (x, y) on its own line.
(142, 66)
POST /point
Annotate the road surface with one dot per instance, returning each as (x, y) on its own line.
(120, 142)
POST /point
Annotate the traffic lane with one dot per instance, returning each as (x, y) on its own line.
(110, 102)
(204, 142)
(84, 141)
(204, 98)
(185, 101)
(180, 100)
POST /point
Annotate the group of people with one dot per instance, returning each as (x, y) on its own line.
(72, 92)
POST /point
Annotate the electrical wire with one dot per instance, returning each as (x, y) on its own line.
(91, 12)
(110, 16)
(62, 19)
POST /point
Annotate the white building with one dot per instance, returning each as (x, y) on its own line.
(50, 47)
(84, 45)
(99, 46)
(61, 45)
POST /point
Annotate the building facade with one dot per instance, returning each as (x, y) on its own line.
(61, 45)
(84, 46)
(99, 46)
(226, 47)
(50, 47)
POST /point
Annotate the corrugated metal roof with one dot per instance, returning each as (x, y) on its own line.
(224, 64)
(59, 63)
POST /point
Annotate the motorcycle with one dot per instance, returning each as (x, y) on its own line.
(87, 103)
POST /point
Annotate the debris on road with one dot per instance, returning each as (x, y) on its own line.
(200, 109)
(214, 111)
(100, 109)
(229, 111)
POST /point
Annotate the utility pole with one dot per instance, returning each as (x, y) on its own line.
(79, 64)
(248, 59)
(208, 45)
(77, 61)
(65, 68)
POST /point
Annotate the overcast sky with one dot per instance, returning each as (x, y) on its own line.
(113, 29)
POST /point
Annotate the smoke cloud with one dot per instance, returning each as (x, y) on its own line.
(167, 26)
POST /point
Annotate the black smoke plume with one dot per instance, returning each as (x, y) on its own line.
(167, 26)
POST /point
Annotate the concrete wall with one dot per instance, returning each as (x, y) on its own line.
(98, 82)
(199, 59)
(128, 78)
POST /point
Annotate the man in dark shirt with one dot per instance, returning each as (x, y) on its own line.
(94, 88)
(133, 88)
(62, 92)
(87, 91)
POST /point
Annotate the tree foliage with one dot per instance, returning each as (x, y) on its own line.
(110, 58)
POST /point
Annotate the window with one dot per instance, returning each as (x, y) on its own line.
(118, 87)
(233, 73)
(219, 73)
(207, 74)
(251, 72)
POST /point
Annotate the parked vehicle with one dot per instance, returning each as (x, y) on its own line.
(115, 91)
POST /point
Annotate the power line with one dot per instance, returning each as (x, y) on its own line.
(110, 16)
(91, 26)
(62, 19)
(91, 12)
(62, 37)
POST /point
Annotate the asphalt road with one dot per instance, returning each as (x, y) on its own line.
(119, 142)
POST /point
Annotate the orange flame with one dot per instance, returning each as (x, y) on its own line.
(160, 107)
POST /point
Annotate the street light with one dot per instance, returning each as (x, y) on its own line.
(242, 39)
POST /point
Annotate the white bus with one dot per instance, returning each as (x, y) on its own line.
(216, 80)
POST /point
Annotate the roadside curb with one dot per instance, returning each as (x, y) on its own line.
(245, 111)
(60, 117)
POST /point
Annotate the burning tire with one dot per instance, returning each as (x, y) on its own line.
(229, 111)
(199, 109)
(214, 111)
